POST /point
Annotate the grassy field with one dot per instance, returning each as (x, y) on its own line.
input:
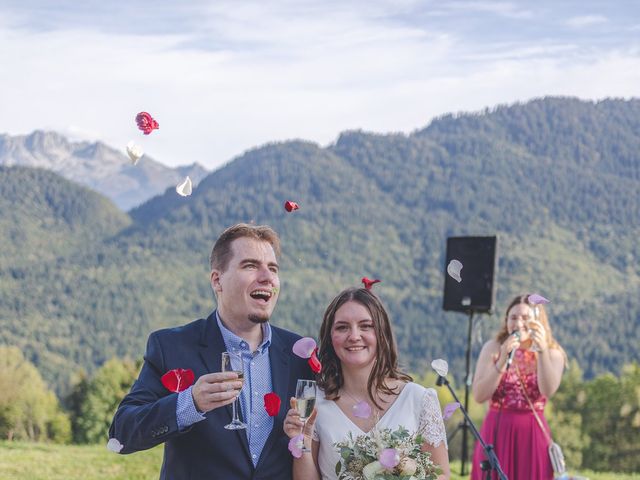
(37, 461)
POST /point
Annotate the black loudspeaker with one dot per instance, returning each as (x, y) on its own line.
(475, 292)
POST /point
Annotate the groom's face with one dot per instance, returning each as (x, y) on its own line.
(247, 290)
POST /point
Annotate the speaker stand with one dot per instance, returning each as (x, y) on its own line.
(464, 425)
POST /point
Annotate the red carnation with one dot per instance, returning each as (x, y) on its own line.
(178, 379)
(290, 206)
(272, 403)
(146, 123)
(314, 363)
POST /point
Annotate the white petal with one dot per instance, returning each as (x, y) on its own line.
(453, 269)
(134, 151)
(185, 188)
(440, 366)
(114, 445)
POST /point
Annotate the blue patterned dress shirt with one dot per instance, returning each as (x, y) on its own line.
(257, 383)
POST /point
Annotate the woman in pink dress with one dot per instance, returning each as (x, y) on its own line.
(513, 388)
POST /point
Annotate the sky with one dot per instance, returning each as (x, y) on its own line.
(222, 77)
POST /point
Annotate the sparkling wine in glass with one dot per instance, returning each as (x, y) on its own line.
(232, 362)
(536, 316)
(305, 401)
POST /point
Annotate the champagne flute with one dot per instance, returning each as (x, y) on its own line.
(305, 401)
(232, 362)
(536, 316)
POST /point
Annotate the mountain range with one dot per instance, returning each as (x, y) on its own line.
(556, 179)
(96, 165)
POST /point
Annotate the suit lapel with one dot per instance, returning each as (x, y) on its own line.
(279, 359)
(211, 348)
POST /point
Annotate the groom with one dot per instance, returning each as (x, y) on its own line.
(245, 280)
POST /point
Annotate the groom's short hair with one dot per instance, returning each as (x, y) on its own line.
(221, 252)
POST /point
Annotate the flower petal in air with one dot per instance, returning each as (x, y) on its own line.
(178, 379)
(449, 409)
(453, 269)
(272, 403)
(368, 283)
(304, 347)
(535, 299)
(114, 445)
(290, 206)
(362, 410)
(146, 123)
(134, 151)
(314, 362)
(440, 366)
(389, 458)
(185, 188)
(295, 445)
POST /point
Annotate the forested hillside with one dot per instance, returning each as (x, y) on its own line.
(556, 179)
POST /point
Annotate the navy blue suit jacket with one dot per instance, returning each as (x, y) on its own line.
(146, 417)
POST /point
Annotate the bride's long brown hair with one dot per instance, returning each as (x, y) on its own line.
(330, 378)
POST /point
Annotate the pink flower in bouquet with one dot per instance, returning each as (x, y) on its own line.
(389, 458)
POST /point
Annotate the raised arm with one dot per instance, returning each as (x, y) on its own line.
(492, 363)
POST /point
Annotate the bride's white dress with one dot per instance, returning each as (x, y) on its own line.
(416, 408)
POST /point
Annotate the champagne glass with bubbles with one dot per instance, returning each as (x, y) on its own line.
(536, 316)
(232, 362)
(305, 401)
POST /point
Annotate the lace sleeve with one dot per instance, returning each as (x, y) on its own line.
(430, 424)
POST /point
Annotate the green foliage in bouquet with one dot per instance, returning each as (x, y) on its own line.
(360, 457)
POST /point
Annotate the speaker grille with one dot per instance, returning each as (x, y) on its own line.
(476, 291)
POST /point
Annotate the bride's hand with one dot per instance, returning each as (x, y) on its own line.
(293, 424)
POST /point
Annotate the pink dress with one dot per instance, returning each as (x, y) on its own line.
(512, 429)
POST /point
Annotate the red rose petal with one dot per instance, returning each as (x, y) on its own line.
(369, 283)
(146, 123)
(314, 363)
(290, 206)
(178, 379)
(272, 403)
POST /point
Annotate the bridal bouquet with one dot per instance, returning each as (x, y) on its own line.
(385, 455)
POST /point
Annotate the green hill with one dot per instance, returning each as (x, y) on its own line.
(557, 180)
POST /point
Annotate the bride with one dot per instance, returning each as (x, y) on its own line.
(359, 364)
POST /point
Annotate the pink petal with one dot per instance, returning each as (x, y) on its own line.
(362, 410)
(449, 409)
(389, 458)
(304, 347)
(295, 445)
(536, 299)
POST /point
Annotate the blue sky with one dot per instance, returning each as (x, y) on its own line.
(223, 77)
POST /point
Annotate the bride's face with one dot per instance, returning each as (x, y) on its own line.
(353, 335)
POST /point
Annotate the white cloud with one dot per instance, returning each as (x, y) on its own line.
(248, 74)
(583, 21)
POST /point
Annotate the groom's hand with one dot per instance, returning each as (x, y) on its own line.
(215, 390)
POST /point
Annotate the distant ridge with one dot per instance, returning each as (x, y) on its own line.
(95, 165)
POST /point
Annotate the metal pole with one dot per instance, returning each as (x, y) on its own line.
(467, 385)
